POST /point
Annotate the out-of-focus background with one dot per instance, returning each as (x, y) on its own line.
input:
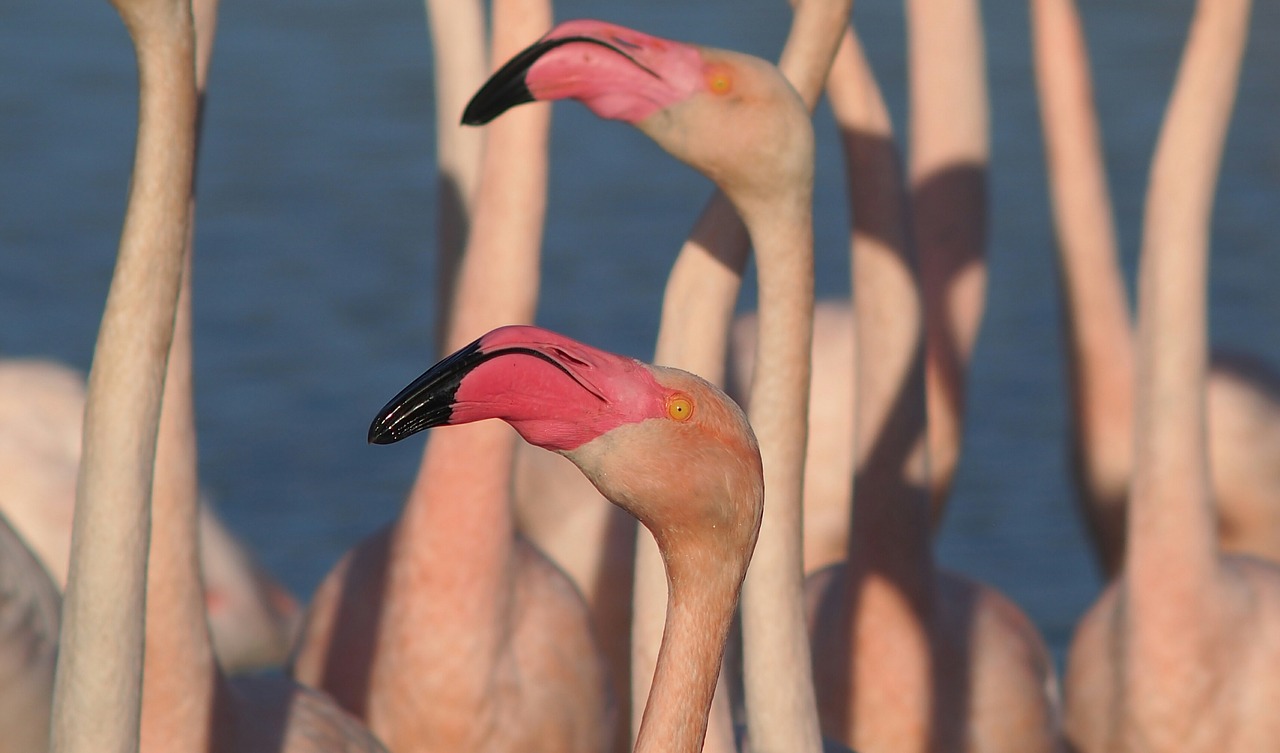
(315, 243)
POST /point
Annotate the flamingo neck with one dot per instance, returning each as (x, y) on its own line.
(1096, 310)
(777, 674)
(1172, 540)
(890, 519)
(458, 41)
(181, 674)
(180, 671)
(703, 592)
(97, 694)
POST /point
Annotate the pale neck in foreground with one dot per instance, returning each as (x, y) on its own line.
(1170, 512)
(776, 660)
(97, 695)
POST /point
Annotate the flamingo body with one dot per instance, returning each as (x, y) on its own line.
(29, 604)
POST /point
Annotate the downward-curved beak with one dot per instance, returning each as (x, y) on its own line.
(433, 399)
(507, 87)
(428, 400)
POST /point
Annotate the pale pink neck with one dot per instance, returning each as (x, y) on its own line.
(1099, 333)
(703, 593)
(1081, 202)
(1171, 531)
(180, 669)
(811, 45)
(98, 689)
(949, 149)
(776, 662)
(459, 66)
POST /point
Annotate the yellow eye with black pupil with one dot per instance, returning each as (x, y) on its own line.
(680, 408)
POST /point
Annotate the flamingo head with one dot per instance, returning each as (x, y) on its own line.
(661, 443)
(724, 113)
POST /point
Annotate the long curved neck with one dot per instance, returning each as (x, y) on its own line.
(98, 686)
(1172, 542)
(457, 527)
(949, 151)
(1099, 333)
(889, 537)
(775, 638)
(703, 594)
(180, 670)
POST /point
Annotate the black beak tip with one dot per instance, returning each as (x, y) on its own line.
(492, 101)
(506, 88)
(379, 433)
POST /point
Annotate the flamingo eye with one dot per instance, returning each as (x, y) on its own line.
(679, 407)
(719, 81)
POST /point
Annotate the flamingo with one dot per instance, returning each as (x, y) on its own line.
(446, 629)
(907, 657)
(710, 108)
(949, 148)
(111, 693)
(1243, 394)
(663, 444)
(1179, 652)
(41, 410)
(29, 604)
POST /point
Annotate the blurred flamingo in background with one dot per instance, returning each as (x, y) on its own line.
(907, 657)
(252, 616)
(1243, 394)
(949, 151)
(1179, 653)
(447, 629)
(29, 604)
(663, 444)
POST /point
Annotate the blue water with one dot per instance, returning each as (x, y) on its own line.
(314, 271)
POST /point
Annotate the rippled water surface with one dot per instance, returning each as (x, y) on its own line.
(314, 271)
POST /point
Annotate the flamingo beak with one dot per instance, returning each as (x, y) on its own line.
(433, 399)
(507, 87)
(428, 400)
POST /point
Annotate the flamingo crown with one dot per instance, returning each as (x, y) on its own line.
(681, 95)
